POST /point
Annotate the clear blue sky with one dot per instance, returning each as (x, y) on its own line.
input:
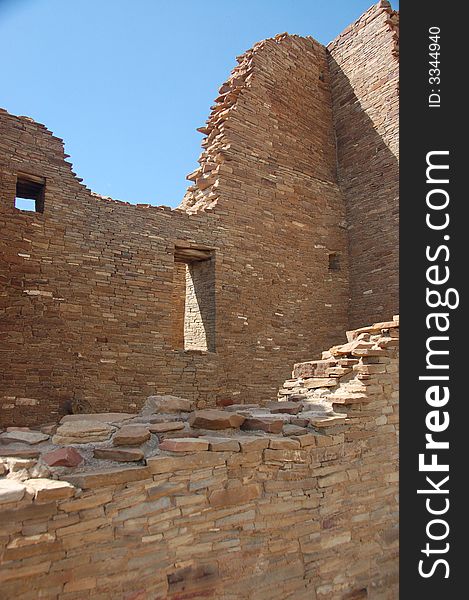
(126, 82)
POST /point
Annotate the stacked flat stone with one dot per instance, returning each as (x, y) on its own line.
(219, 505)
(300, 143)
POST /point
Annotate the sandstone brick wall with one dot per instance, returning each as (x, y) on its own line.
(297, 181)
(88, 313)
(199, 309)
(307, 514)
(365, 81)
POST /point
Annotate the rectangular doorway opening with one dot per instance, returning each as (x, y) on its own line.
(194, 299)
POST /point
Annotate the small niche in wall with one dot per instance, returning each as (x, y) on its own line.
(29, 195)
(194, 299)
(334, 261)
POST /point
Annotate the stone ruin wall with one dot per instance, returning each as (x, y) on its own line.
(92, 301)
(307, 513)
(103, 304)
(364, 67)
(87, 307)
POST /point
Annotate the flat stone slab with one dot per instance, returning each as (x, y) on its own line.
(26, 437)
(11, 491)
(290, 408)
(109, 476)
(180, 433)
(63, 457)
(47, 490)
(82, 432)
(9, 429)
(300, 421)
(225, 402)
(221, 444)
(19, 464)
(19, 453)
(215, 419)
(313, 414)
(50, 428)
(267, 424)
(166, 426)
(294, 430)
(110, 417)
(166, 404)
(119, 454)
(297, 397)
(319, 382)
(236, 407)
(266, 414)
(131, 435)
(329, 421)
(184, 445)
(237, 495)
(253, 443)
(284, 444)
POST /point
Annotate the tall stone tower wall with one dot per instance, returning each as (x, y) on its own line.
(364, 67)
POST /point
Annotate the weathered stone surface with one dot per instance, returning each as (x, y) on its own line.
(9, 429)
(104, 417)
(180, 433)
(223, 402)
(63, 457)
(290, 408)
(215, 419)
(20, 464)
(184, 445)
(318, 382)
(26, 437)
(11, 491)
(290, 429)
(108, 477)
(238, 407)
(164, 490)
(235, 495)
(297, 397)
(49, 428)
(164, 464)
(267, 424)
(307, 439)
(166, 404)
(285, 455)
(166, 426)
(253, 443)
(19, 452)
(298, 421)
(131, 435)
(327, 421)
(313, 368)
(119, 454)
(283, 444)
(221, 444)
(47, 490)
(82, 432)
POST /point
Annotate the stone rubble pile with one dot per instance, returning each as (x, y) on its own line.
(342, 375)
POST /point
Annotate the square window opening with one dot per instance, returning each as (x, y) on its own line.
(194, 299)
(334, 261)
(30, 193)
